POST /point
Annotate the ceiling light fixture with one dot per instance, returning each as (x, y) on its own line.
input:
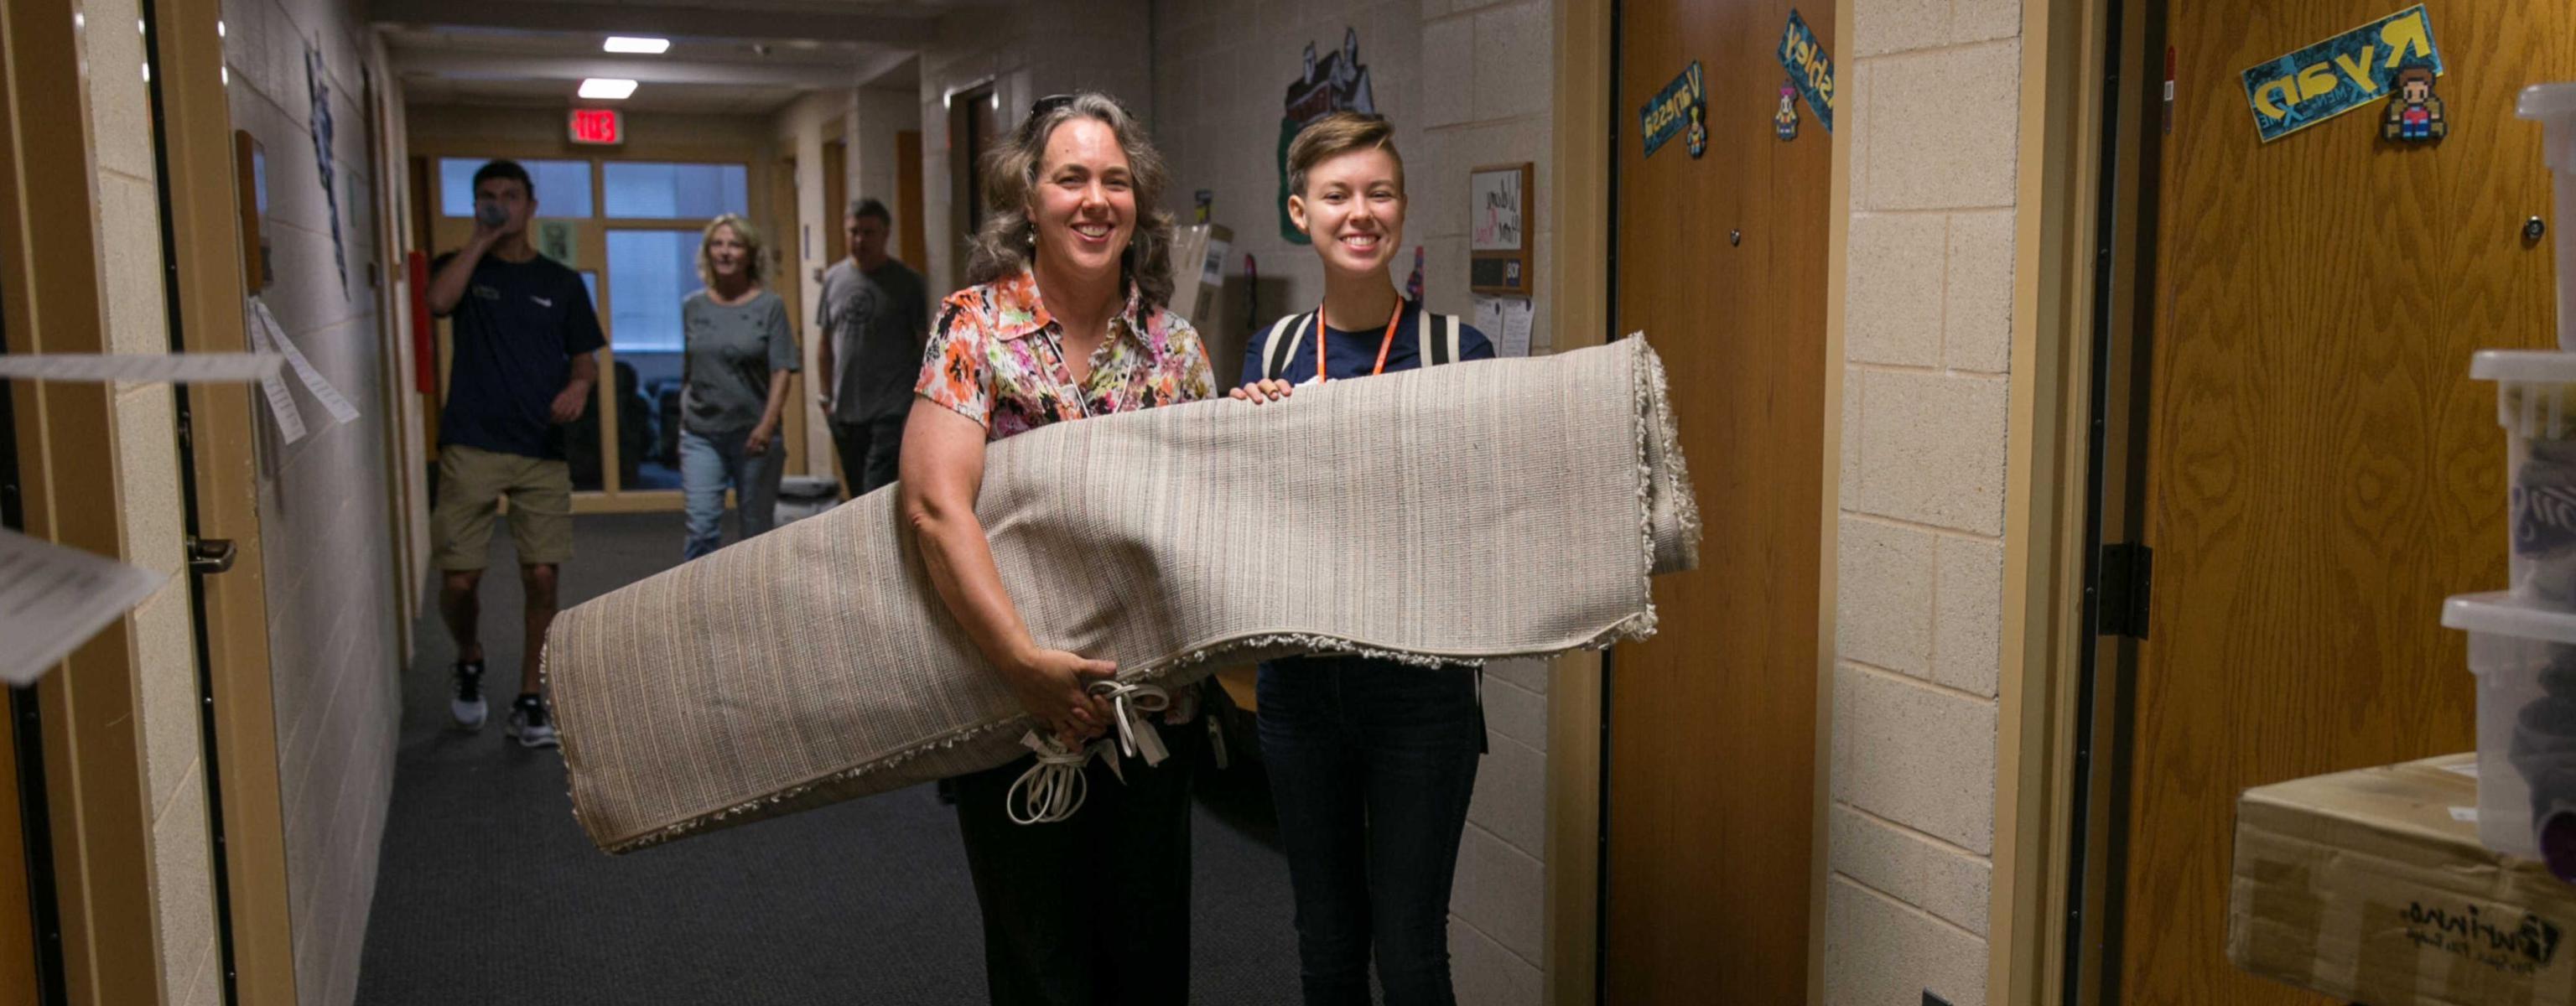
(606, 88)
(628, 43)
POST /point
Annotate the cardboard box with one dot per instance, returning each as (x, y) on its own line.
(2371, 886)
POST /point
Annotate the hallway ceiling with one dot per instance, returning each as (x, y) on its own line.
(744, 57)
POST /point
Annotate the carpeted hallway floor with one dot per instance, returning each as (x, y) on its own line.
(488, 893)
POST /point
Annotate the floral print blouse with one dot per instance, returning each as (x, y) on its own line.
(997, 357)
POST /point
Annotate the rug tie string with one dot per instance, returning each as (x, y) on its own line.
(1053, 789)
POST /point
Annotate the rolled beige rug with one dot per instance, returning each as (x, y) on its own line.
(1463, 513)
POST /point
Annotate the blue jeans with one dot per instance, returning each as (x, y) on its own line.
(710, 463)
(1371, 765)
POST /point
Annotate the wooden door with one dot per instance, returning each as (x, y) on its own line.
(2321, 471)
(914, 250)
(1712, 722)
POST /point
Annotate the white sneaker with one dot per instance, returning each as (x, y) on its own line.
(467, 707)
(528, 723)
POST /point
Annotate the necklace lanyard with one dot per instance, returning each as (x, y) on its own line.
(1321, 328)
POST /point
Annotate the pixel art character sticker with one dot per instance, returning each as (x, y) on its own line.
(2346, 72)
(1785, 121)
(1337, 83)
(1677, 110)
(2414, 113)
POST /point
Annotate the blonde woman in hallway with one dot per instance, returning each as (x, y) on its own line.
(737, 360)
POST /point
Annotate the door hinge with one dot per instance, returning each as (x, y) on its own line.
(2126, 579)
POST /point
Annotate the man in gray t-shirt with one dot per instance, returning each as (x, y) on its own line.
(874, 321)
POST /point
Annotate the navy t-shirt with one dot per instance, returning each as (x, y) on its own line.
(1353, 353)
(1349, 354)
(514, 332)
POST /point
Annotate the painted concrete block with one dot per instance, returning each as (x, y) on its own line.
(1853, 462)
(183, 876)
(129, 231)
(1938, 879)
(1893, 290)
(1880, 27)
(1511, 795)
(1967, 640)
(1880, 953)
(1512, 61)
(1515, 712)
(1501, 891)
(1916, 755)
(1449, 71)
(1934, 445)
(1977, 303)
(1883, 611)
(147, 475)
(1528, 674)
(120, 106)
(1982, 20)
(1484, 973)
(164, 633)
(1943, 127)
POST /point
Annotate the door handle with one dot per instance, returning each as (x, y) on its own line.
(208, 556)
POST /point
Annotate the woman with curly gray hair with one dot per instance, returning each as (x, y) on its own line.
(1082, 876)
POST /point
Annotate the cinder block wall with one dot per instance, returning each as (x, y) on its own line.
(1931, 97)
(128, 217)
(1466, 84)
(334, 623)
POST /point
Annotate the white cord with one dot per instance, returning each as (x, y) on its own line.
(1136, 736)
(1052, 789)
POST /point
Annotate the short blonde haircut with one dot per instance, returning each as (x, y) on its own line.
(1337, 134)
(751, 244)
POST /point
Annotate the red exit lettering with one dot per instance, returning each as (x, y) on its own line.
(597, 125)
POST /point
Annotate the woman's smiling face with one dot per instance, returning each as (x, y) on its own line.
(1353, 208)
(1084, 204)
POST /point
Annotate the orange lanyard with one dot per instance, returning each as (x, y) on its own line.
(1321, 328)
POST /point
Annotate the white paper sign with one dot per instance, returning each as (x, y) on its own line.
(1506, 321)
(2469, 769)
(281, 403)
(143, 368)
(53, 599)
(339, 408)
(2465, 815)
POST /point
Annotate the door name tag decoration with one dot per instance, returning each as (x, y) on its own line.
(1811, 68)
(268, 336)
(1680, 108)
(2341, 73)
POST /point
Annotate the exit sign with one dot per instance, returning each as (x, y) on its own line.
(597, 125)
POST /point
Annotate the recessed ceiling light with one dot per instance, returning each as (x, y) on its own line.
(606, 88)
(647, 46)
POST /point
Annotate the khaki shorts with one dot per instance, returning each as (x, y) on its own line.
(471, 482)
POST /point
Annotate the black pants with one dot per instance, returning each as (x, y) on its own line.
(1371, 766)
(1094, 910)
(870, 452)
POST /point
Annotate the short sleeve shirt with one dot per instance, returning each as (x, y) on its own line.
(514, 336)
(729, 353)
(1353, 353)
(878, 321)
(997, 357)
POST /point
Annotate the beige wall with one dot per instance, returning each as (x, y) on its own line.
(129, 229)
(335, 620)
(1931, 100)
(883, 112)
(1466, 84)
(1027, 49)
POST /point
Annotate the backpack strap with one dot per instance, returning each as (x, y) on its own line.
(1435, 338)
(1280, 345)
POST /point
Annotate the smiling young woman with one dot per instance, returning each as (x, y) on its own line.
(1371, 762)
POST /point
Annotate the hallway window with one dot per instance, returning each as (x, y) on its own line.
(648, 272)
(563, 187)
(643, 190)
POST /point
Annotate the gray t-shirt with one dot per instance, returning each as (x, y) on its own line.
(730, 352)
(879, 323)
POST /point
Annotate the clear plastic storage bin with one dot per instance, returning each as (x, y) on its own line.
(2554, 107)
(2524, 656)
(2536, 404)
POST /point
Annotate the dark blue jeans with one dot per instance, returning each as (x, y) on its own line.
(1371, 765)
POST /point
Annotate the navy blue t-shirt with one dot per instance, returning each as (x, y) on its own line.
(514, 332)
(1349, 354)
(1353, 353)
